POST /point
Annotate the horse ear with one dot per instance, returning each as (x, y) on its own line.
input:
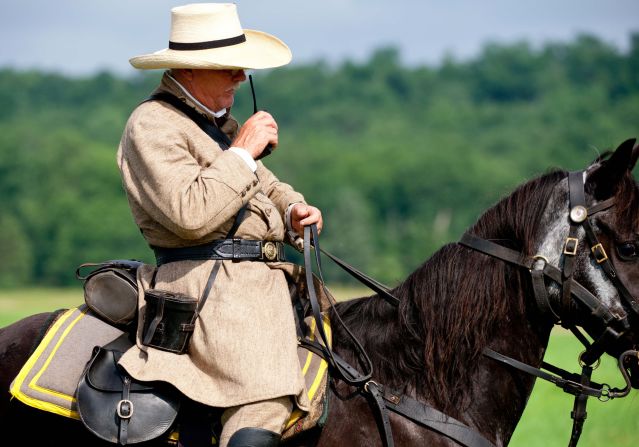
(608, 173)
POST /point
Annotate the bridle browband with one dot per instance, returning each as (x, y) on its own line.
(615, 322)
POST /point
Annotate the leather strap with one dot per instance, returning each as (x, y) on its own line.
(125, 410)
(434, 419)
(223, 249)
(578, 413)
(349, 375)
(216, 266)
(203, 123)
(401, 404)
(165, 255)
(153, 325)
(376, 397)
(371, 283)
(596, 307)
(539, 288)
(569, 385)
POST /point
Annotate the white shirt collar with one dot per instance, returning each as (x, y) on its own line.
(192, 98)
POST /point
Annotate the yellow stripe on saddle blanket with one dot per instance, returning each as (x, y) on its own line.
(314, 369)
(50, 376)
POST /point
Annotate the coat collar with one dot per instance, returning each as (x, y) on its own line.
(226, 122)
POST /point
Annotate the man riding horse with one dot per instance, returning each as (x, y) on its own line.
(216, 219)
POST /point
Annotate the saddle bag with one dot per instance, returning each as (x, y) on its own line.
(111, 290)
(119, 409)
(169, 320)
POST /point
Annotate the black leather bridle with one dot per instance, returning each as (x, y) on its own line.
(615, 324)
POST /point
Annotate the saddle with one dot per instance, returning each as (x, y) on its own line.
(74, 373)
(119, 409)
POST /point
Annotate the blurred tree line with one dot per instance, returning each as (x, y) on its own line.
(400, 159)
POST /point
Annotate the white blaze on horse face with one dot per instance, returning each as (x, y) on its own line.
(554, 229)
(554, 225)
(604, 288)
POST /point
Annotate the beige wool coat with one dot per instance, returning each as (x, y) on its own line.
(183, 190)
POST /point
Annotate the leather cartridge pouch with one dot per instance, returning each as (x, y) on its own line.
(169, 320)
(169, 317)
(111, 290)
(117, 408)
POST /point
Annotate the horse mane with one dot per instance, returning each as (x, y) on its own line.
(450, 307)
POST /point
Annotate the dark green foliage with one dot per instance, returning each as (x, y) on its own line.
(400, 159)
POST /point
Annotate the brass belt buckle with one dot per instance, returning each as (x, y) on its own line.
(269, 250)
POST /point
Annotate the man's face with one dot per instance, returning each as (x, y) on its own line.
(216, 88)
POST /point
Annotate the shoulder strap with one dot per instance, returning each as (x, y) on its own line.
(225, 142)
(207, 289)
(207, 126)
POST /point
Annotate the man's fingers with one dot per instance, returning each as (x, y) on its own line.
(263, 118)
(300, 211)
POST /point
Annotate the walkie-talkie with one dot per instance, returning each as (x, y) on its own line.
(269, 148)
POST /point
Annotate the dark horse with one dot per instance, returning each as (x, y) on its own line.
(468, 297)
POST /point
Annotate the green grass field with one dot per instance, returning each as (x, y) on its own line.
(545, 423)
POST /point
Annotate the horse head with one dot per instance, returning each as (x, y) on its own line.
(590, 233)
(613, 269)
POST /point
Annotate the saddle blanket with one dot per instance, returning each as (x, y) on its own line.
(49, 379)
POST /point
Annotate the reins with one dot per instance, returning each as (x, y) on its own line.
(579, 385)
(381, 398)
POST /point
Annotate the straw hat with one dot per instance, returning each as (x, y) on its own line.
(209, 35)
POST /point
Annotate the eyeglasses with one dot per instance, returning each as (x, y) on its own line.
(234, 72)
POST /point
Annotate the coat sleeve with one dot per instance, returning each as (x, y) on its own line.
(185, 195)
(280, 193)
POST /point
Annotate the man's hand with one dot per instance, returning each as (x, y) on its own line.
(258, 131)
(303, 215)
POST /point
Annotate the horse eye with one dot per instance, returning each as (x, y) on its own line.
(627, 250)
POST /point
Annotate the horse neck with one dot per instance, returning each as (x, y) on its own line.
(431, 346)
(455, 305)
(506, 316)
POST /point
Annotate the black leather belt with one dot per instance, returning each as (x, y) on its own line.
(225, 249)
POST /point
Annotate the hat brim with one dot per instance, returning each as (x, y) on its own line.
(261, 50)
